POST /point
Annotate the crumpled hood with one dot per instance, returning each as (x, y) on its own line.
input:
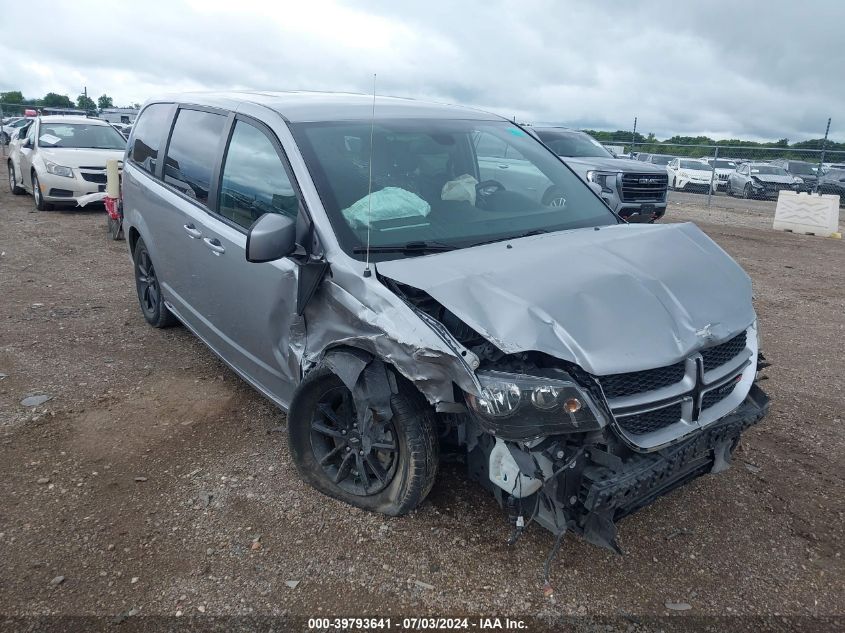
(622, 298)
(583, 165)
(80, 157)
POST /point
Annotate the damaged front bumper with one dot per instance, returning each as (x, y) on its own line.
(590, 490)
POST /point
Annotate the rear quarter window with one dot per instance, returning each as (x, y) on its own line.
(149, 131)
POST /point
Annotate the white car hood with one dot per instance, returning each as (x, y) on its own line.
(72, 157)
(619, 299)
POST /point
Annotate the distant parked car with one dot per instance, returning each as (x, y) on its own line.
(761, 180)
(687, 174)
(660, 159)
(123, 128)
(635, 191)
(64, 157)
(11, 127)
(723, 168)
(833, 182)
(804, 170)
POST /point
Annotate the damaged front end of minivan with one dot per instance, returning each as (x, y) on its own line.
(582, 398)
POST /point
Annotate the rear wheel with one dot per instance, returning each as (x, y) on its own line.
(389, 467)
(38, 196)
(115, 228)
(149, 289)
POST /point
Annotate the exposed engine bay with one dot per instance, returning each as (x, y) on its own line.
(577, 452)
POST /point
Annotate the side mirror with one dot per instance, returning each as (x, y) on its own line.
(271, 237)
(27, 144)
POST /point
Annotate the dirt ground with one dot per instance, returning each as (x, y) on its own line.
(154, 481)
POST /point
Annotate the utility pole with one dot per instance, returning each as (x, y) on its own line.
(634, 136)
(821, 158)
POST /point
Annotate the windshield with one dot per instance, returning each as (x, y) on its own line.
(660, 159)
(441, 183)
(768, 170)
(695, 165)
(80, 135)
(723, 164)
(573, 144)
(804, 169)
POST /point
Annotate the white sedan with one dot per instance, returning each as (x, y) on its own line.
(687, 174)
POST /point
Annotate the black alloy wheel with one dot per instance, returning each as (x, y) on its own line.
(360, 461)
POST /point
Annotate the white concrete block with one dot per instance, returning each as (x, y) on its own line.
(807, 213)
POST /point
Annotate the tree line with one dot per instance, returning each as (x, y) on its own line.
(55, 100)
(748, 149)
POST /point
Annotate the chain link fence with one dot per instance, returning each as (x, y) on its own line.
(718, 172)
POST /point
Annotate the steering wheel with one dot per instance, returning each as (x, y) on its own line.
(554, 197)
(485, 189)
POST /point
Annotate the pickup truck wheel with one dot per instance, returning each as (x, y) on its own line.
(388, 468)
(13, 181)
(149, 289)
(37, 196)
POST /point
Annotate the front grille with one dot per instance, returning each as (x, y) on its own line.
(628, 384)
(721, 354)
(98, 178)
(722, 176)
(650, 421)
(712, 398)
(642, 187)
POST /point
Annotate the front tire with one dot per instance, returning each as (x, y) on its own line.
(389, 470)
(149, 289)
(13, 181)
(747, 193)
(38, 196)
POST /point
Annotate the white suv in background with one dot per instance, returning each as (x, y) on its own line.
(62, 158)
(724, 168)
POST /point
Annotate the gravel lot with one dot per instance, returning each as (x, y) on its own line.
(154, 481)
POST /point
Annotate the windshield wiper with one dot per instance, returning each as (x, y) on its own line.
(418, 248)
(512, 237)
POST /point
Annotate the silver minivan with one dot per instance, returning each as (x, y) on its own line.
(363, 264)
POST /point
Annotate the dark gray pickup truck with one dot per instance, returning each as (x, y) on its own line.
(635, 190)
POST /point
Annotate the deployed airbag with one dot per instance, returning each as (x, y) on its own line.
(391, 203)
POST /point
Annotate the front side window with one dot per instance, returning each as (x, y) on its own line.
(254, 179)
(192, 151)
(432, 186)
(147, 135)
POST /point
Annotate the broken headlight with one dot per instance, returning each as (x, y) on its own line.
(518, 406)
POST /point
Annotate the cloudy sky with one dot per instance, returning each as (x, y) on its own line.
(756, 69)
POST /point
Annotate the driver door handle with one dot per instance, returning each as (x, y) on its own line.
(193, 232)
(214, 244)
(503, 166)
